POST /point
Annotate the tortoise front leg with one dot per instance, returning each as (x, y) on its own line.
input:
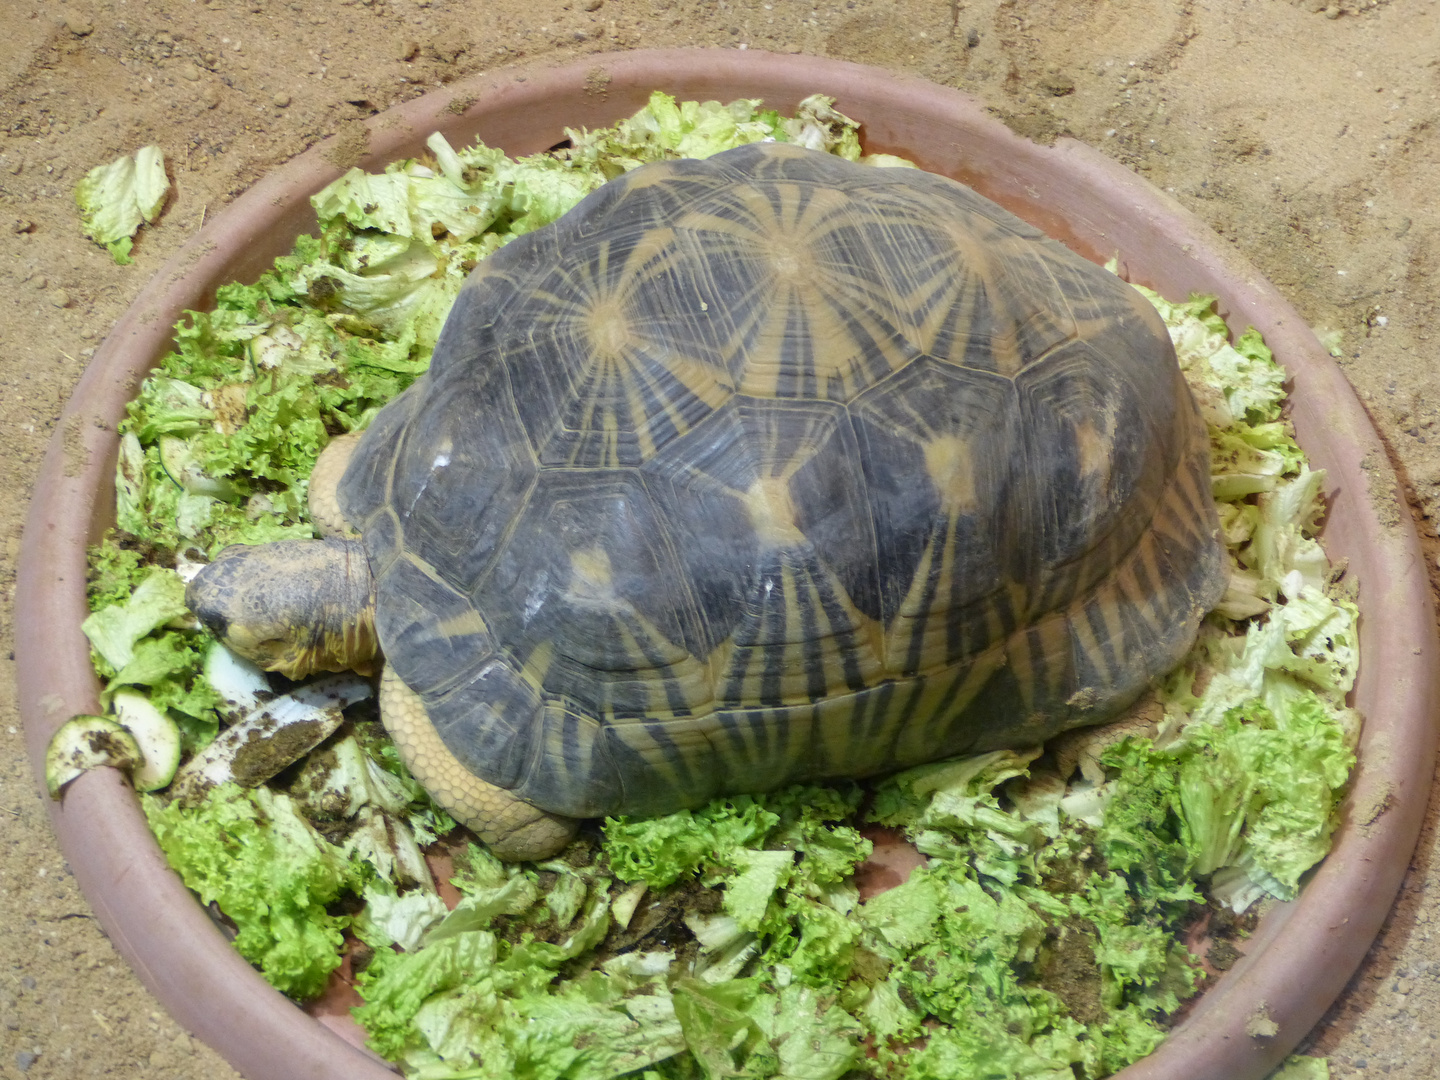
(323, 500)
(509, 826)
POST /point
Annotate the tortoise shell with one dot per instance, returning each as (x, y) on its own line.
(774, 467)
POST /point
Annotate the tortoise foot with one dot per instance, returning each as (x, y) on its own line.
(323, 503)
(510, 827)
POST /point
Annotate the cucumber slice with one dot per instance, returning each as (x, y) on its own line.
(87, 742)
(240, 684)
(157, 735)
(271, 736)
(177, 458)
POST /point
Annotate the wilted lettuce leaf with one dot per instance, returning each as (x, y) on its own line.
(116, 199)
(475, 1002)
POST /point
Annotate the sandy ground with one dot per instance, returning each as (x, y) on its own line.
(1305, 134)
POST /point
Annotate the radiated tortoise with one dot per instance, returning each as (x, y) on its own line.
(753, 470)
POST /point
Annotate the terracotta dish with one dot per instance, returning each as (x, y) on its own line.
(1302, 953)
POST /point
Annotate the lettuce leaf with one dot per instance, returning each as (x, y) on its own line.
(481, 998)
(116, 199)
(269, 871)
(660, 851)
(114, 630)
(148, 639)
(1265, 782)
(1301, 1067)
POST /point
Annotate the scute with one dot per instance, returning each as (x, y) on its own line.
(588, 596)
(773, 467)
(460, 435)
(956, 520)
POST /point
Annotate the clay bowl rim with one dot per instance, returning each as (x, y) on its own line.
(1302, 953)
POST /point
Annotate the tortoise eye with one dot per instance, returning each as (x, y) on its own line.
(215, 622)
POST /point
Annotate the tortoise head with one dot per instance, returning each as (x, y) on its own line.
(292, 606)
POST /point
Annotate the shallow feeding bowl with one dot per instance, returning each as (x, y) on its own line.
(1300, 955)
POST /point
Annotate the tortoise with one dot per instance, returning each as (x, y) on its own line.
(765, 468)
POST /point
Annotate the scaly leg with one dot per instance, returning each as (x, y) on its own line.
(510, 827)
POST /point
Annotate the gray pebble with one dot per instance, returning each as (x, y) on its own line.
(60, 298)
(39, 283)
(24, 1059)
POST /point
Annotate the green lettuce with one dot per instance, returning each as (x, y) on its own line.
(659, 851)
(987, 925)
(116, 629)
(1300, 1067)
(781, 861)
(794, 1032)
(142, 635)
(116, 199)
(480, 998)
(269, 871)
(1265, 782)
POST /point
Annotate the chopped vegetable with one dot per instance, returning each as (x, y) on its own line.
(87, 742)
(140, 739)
(239, 684)
(116, 199)
(155, 733)
(273, 735)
